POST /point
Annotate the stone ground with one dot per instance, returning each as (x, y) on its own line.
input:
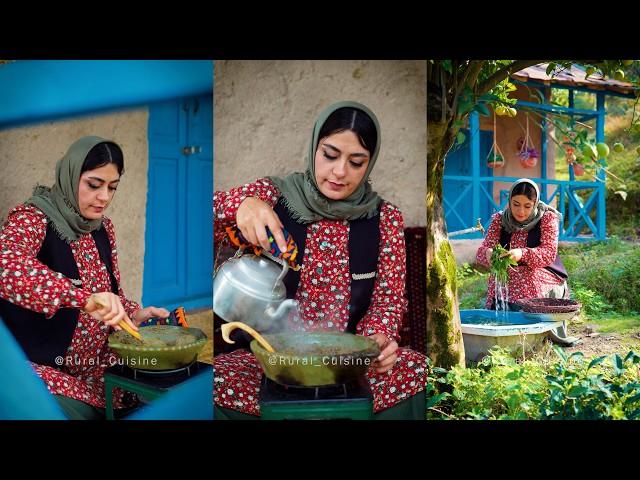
(595, 343)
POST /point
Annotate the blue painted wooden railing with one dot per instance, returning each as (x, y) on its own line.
(577, 224)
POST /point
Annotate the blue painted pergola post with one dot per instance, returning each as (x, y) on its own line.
(572, 175)
(571, 98)
(474, 151)
(602, 210)
(543, 155)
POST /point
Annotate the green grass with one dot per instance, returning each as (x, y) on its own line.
(616, 323)
(472, 287)
(604, 276)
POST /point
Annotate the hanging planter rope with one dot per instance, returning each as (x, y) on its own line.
(527, 152)
(495, 158)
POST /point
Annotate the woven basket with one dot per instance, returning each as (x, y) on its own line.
(549, 305)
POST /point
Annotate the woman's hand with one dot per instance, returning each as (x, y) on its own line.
(388, 353)
(253, 216)
(515, 254)
(488, 254)
(107, 307)
(144, 314)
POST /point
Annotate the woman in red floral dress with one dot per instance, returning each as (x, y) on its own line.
(57, 250)
(528, 228)
(328, 200)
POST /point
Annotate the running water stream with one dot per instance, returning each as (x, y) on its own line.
(501, 262)
(501, 299)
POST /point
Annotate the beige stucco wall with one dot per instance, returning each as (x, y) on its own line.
(28, 156)
(509, 131)
(264, 112)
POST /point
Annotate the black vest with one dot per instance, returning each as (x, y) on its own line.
(533, 240)
(45, 339)
(364, 244)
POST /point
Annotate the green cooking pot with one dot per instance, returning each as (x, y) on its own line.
(313, 359)
(164, 347)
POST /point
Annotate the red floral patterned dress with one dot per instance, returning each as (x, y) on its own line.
(28, 283)
(529, 279)
(324, 295)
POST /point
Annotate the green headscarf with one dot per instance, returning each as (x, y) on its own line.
(510, 224)
(300, 191)
(60, 202)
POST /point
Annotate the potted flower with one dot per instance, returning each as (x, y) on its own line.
(528, 157)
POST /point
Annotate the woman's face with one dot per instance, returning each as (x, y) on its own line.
(521, 207)
(96, 190)
(340, 164)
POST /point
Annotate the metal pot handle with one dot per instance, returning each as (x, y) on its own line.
(217, 264)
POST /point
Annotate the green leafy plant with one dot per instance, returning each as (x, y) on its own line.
(500, 264)
(604, 276)
(435, 379)
(592, 302)
(577, 390)
(496, 388)
(569, 387)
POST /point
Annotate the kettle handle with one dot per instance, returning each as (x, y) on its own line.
(238, 254)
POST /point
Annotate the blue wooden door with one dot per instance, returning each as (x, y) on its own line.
(179, 223)
(458, 192)
(199, 225)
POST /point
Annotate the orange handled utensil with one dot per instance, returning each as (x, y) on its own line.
(123, 324)
(228, 327)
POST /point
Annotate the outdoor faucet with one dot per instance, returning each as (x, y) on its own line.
(478, 227)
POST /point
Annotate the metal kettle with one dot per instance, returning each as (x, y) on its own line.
(250, 289)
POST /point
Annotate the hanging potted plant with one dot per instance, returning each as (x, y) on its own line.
(495, 158)
(526, 151)
(529, 157)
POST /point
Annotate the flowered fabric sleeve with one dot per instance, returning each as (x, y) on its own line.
(544, 254)
(388, 302)
(24, 280)
(129, 305)
(491, 239)
(225, 204)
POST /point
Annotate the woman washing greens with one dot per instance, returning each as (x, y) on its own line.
(341, 226)
(528, 231)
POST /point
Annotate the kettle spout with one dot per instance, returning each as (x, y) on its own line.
(275, 315)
